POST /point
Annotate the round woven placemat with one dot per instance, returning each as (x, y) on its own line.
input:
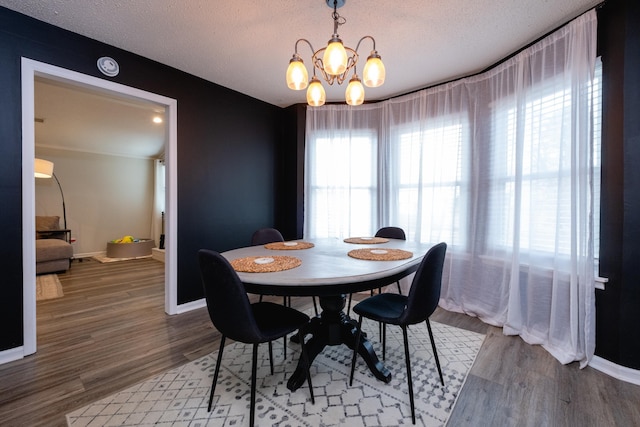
(288, 246)
(279, 263)
(370, 254)
(366, 240)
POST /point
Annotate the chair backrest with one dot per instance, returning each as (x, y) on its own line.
(227, 301)
(266, 235)
(391, 233)
(424, 294)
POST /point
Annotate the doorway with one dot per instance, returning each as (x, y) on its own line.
(32, 69)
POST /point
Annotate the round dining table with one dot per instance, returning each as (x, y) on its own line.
(324, 268)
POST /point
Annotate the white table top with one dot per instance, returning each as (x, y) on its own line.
(326, 268)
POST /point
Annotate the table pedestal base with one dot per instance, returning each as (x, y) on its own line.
(334, 327)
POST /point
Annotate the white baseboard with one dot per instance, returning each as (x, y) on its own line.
(88, 254)
(620, 372)
(193, 305)
(12, 354)
(158, 254)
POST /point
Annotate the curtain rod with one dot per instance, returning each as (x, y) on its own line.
(598, 6)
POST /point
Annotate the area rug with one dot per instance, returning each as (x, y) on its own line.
(179, 397)
(104, 258)
(48, 287)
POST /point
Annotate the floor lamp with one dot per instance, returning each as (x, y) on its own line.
(44, 169)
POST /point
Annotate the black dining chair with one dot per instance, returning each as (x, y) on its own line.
(266, 235)
(235, 317)
(389, 233)
(270, 235)
(401, 310)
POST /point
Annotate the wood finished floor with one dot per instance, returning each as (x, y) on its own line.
(109, 332)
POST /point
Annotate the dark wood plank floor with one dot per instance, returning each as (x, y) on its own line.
(109, 331)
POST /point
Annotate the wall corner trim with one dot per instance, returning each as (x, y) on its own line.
(617, 371)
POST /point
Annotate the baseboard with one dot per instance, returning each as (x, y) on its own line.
(158, 254)
(193, 305)
(620, 372)
(12, 354)
(88, 254)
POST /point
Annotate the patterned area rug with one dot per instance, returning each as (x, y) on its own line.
(179, 397)
(48, 287)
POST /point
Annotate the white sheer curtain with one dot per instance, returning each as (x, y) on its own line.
(499, 166)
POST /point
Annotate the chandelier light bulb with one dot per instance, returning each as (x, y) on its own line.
(355, 91)
(297, 76)
(374, 72)
(316, 95)
(335, 57)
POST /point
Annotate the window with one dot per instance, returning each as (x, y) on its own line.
(530, 141)
(428, 169)
(342, 190)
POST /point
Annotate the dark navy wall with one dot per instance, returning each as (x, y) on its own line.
(227, 149)
(618, 307)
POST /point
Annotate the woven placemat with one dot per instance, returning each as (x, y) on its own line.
(366, 240)
(288, 246)
(257, 264)
(371, 254)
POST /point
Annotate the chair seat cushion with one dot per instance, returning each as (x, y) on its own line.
(387, 307)
(275, 321)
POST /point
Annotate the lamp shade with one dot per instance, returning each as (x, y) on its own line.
(355, 91)
(374, 72)
(335, 58)
(297, 76)
(315, 93)
(43, 168)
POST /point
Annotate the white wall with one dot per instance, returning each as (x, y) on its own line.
(106, 197)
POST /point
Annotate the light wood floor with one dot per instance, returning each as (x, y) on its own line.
(109, 331)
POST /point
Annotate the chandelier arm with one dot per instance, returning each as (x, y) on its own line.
(303, 40)
(366, 37)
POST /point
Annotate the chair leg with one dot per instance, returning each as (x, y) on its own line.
(271, 356)
(260, 299)
(252, 408)
(355, 350)
(435, 352)
(217, 371)
(409, 381)
(399, 288)
(384, 340)
(284, 348)
(315, 306)
(349, 304)
(305, 359)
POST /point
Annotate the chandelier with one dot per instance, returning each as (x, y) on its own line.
(334, 62)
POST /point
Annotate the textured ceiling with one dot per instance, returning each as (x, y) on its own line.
(246, 45)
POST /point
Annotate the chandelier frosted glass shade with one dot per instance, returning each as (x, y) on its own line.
(355, 91)
(335, 58)
(374, 72)
(316, 95)
(297, 75)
